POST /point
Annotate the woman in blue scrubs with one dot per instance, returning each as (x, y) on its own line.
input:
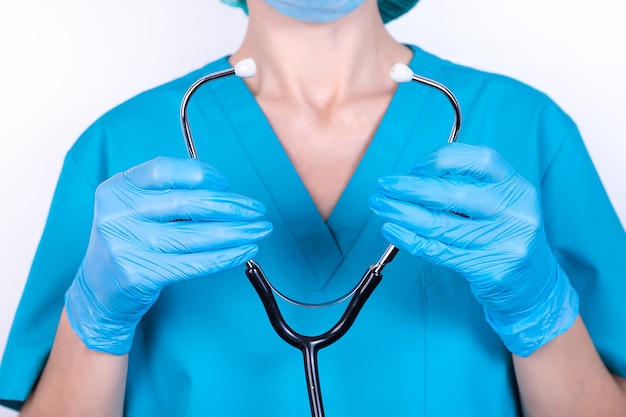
(506, 297)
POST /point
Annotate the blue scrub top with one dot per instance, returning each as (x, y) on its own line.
(421, 345)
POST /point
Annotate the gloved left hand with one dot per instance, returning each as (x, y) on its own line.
(465, 208)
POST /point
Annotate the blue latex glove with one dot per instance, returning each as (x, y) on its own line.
(465, 208)
(162, 222)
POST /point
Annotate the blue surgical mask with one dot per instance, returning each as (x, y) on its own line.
(315, 11)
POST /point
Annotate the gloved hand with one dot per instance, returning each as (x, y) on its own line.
(162, 222)
(465, 208)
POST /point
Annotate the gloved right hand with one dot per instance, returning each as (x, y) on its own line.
(162, 222)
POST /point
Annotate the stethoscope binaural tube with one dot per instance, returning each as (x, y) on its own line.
(401, 73)
(310, 345)
(245, 68)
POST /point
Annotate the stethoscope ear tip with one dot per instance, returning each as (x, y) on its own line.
(400, 73)
(245, 68)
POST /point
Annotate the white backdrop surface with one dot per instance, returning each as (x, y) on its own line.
(64, 63)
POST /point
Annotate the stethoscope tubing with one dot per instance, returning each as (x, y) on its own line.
(184, 119)
(310, 345)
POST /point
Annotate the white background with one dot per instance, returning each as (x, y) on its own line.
(64, 63)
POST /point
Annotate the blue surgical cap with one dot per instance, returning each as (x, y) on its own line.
(389, 9)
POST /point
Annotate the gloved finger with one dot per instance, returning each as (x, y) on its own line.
(459, 159)
(431, 250)
(193, 237)
(443, 226)
(164, 173)
(462, 260)
(200, 205)
(176, 268)
(181, 204)
(452, 194)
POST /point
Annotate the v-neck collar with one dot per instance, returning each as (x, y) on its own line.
(323, 243)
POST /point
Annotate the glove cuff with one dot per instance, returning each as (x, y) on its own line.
(95, 331)
(550, 319)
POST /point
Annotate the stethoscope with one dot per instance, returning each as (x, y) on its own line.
(310, 345)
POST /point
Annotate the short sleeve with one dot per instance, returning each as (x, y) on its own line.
(589, 242)
(56, 261)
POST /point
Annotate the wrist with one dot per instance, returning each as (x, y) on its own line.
(550, 318)
(97, 329)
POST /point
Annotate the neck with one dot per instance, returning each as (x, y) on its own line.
(320, 64)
